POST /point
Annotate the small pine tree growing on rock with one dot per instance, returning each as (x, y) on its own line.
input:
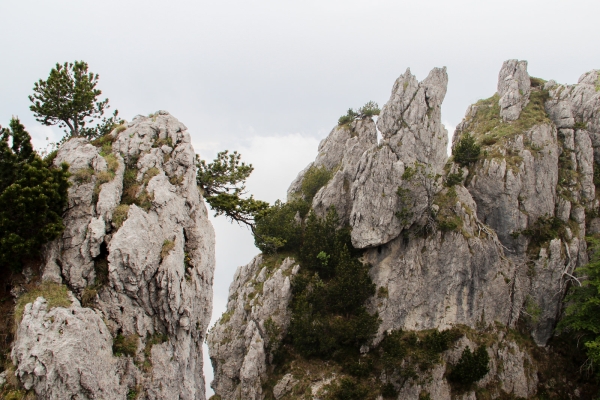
(466, 151)
(69, 99)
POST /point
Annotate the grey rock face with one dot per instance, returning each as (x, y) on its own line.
(66, 353)
(411, 119)
(508, 362)
(466, 255)
(413, 135)
(351, 141)
(257, 318)
(513, 88)
(436, 282)
(160, 261)
(543, 172)
(367, 175)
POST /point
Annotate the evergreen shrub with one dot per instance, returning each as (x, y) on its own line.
(471, 367)
(466, 151)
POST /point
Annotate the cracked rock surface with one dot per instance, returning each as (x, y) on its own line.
(463, 254)
(146, 274)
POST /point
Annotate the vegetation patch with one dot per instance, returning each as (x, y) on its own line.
(542, 231)
(446, 217)
(454, 179)
(120, 215)
(488, 128)
(83, 175)
(314, 179)
(159, 142)
(471, 367)
(56, 295)
(370, 109)
(348, 388)
(151, 340)
(105, 141)
(467, 151)
(131, 187)
(167, 246)
(277, 229)
(126, 345)
(150, 173)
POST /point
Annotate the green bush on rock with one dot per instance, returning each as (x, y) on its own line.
(471, 367)
(466, 151)
(33, 195)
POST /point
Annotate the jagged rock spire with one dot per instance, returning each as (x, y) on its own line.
(514, 86)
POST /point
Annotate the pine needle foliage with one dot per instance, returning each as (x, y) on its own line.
(370, 109)
(471, 367)
(329, 318)
(582, 315)
(466, 151)
(69, 99)
(223, 183)
(33, 196)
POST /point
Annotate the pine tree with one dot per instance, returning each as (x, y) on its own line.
(32, 197)
(69, 99)
(223, 183)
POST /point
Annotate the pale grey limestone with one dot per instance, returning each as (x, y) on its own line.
(241, 343)
(513, 88)
(148, 293)
(460, 266)
(66, 353)
(485, 273)
(284, 386)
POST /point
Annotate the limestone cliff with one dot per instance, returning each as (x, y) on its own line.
(487, 248)
(137, 255)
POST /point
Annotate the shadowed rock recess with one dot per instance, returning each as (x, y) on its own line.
(137, 255)
(473, 253)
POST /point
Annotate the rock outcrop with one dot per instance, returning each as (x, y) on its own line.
(531, 177)
(485, 247)
(138, 251)
(258, 309)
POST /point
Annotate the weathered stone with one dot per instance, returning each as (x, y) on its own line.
(160, 261)
(65, 353)
(243, 341)
(513, 88)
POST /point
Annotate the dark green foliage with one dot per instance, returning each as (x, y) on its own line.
(471, 367)
(349, 117)
(454, 179)
(388, 391)
(276, 228)
(404, 351)
(69, 98)
(368, 110)
(596, 174)
(466, 151)
(125, 345)
(404, 197)
(328, 314)
(33, 196)
(348, 389)
(223, 183)
(545, 229)
(314, 179)
(131, 190)
(132, 394)
(537, 82)
(582, 315)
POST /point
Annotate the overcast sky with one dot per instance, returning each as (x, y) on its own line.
(271, 78)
